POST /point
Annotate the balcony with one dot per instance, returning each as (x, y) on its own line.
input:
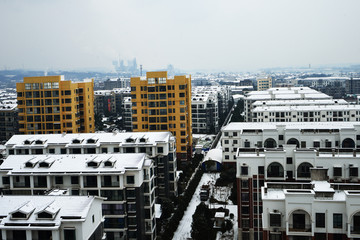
(299, 228)
(299, 224)
(108, 181)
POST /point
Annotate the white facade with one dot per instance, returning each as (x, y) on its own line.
(314, 113)
(327, 135)
(126, 180)
(291, 163)
(159, 146)
(281, 94)
(51, 217)
(204, 107)
(320, 210)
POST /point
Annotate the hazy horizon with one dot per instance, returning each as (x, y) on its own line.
(202, 35)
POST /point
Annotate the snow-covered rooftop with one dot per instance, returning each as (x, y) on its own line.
(306, 108)
(148, 138)
(239, 126)
(74, 207)
(75, 163)
(300, 102)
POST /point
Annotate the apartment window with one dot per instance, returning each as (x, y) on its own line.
(354, 172)
(63, 151)
(160, 150)
(69, 234)
(337, 171)
(245, 210)
(181, 94)
(244, 197)
(244, 170)
(316, 144)
(58, 180)
(247, 144)
(320, 220)
(104, 150)
(289, 160)
(281, 137)
(130, 179)
(275, 220)
(261, 170)
(74, 180)
(27, 86)
(245, 222)
(245, 184)
(6, 180)
(337, 220)
(276, 236)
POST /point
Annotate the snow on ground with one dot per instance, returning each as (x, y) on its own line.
(184, 229)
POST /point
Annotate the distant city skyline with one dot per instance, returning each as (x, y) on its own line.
(191, 35)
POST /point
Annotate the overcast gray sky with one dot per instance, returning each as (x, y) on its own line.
(235, 35)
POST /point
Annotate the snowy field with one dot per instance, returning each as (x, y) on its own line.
(183, 231)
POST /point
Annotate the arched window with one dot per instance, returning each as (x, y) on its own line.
(293, 141)
(348, 143)
(303, 170)
(270, 143)
(275, 169)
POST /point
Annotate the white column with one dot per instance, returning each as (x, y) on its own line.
(28, 235)
(56, 234)
(48, 182)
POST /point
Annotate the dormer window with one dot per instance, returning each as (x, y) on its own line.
(31, 163)
(76, 141)
(43, 164)
(18, 215)
(130, 140)
(23, 212)
(27, 142)
(44, 215)
(48, 212)
(94, 162)
(142, 140)
(39, 142)
(91, 140)
(109, 163)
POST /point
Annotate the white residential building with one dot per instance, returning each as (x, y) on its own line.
(126, 180)
(280, 94)
(127, 113)
(316, 210)
(320, 135)
(205, 116)
(309, 113)
(280, 166)
(159, 146)
(50, 217)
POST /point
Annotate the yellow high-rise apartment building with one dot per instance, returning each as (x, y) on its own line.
(264, 83)
(51, 104)
(163, 104)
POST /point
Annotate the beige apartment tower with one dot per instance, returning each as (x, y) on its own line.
(160, 103)
(51, 104)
